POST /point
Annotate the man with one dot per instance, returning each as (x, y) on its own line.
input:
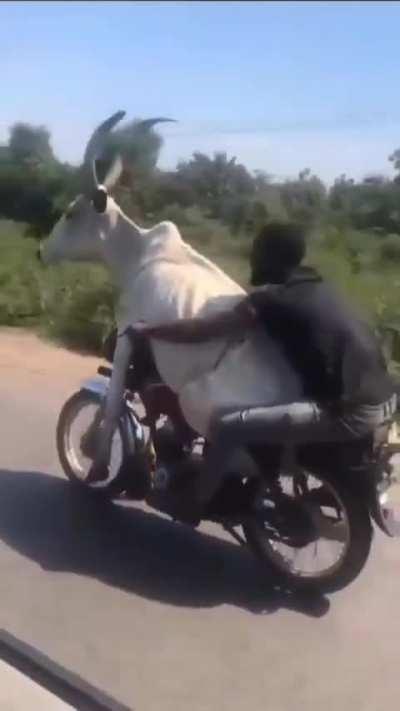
(348, 389)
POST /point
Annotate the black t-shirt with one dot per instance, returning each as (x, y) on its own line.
(337, 355)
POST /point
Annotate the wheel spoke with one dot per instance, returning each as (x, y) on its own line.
(329, 529)
(329, 519)
(83, 419)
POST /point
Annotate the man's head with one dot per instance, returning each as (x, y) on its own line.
(277, 250)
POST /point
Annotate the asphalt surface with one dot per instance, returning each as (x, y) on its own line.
(18, 693)
(157, 615)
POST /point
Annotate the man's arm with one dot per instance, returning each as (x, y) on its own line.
(198, 330)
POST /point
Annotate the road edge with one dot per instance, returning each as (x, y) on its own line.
(66, 685)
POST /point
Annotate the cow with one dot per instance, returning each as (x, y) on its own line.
(161, 278)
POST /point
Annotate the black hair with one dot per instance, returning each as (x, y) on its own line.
(282, 245)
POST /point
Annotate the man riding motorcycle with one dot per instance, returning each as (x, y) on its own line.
(348, 390)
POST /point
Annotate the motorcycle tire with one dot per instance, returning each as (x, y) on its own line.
(354, 559)
(69, 411)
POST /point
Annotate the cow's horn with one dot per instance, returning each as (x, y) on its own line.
(147, 124)
(95, 146)
(114, 172)
(117, 166)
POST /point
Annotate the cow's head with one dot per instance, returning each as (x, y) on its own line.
(86, 229)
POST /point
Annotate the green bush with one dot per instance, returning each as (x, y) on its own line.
(72, 304)
(20, 293)
(78, 307)
(177, 214)
(389, 248)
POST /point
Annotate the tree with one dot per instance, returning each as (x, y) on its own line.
(368, 205)
(340, 192)
(35, 188)
(304, 174)
(215, 180)
(395, 159)
(304, 198)
(30, 144)
(375, 179)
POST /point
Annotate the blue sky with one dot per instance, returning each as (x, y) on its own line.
(282, 86)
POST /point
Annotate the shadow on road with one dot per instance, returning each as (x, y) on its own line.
(44, 519)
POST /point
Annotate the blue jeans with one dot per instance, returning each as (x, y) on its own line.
(288, 425)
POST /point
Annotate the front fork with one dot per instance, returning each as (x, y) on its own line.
(133, 432)
(90, 438)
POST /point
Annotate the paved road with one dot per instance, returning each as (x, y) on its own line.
(18, 693)
(156, 615)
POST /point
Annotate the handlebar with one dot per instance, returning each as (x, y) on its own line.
(131, 381)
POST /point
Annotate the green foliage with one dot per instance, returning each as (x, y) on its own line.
(73, 304)
(30, 144)
(389, 249)
(373, 287)
(368, 205)
(20, 299)
(395, 159)
(35, 194)
(304, 199)
(78, 306)
(215, 181)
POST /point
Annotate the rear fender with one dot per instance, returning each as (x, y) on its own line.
(376, 482)
(380, 491)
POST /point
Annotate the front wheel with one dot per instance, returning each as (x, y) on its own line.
(332, 553)
(76, 442)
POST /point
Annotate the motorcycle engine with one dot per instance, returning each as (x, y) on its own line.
(174, 462)
(166, 444)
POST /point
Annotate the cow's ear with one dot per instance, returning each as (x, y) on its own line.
(99, 199)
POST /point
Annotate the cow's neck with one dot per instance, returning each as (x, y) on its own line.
(124, 250)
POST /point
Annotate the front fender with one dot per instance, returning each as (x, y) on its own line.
(133, 431)
(98, 386)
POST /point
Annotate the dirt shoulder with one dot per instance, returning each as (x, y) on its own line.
(23, 355)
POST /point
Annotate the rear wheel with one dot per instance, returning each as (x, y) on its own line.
(76, 438)
(337, 528)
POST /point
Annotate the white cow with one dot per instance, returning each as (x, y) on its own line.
(162, 278)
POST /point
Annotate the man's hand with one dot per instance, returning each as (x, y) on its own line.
(138, 329)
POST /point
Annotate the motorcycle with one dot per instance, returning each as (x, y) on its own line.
(306, 515)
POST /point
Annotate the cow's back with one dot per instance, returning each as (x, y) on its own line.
(180, 283)
(165, 292)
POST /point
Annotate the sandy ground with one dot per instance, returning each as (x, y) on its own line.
(24, 355)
